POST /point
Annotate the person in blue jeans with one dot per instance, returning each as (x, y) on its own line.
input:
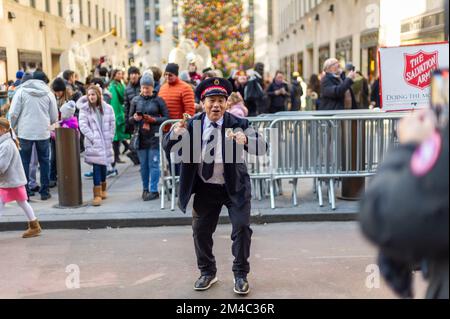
(33, 110)
(149, 112)
(43, 154)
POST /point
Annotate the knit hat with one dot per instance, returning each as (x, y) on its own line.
(39, 75)
(26, 77)
(59, 85)
(20, 74)
(68, 110)
(172, 68)
(147, 80)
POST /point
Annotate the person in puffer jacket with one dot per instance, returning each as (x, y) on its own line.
(97, 123)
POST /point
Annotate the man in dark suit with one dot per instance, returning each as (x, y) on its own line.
(213, 168)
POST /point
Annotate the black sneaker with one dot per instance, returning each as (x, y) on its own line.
(36, 189)
(146, 196)
(205, 282)
(153, 196)
(241, 286)
(46, 196)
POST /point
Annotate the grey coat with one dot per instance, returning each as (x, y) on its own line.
(12, 174)
(33, 110)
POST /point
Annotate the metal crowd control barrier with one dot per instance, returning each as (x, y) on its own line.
(169, 180)
(306, 145)
(320, 147)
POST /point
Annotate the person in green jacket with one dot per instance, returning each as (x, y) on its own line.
(117, 89)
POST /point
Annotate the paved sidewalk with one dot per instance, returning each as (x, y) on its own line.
(124, 208)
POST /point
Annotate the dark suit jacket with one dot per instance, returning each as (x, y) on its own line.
(237, 180)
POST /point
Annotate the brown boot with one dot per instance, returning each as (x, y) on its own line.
(34, 229)
(104, 193)
(97, 196)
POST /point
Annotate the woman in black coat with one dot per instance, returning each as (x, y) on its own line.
(149, 112)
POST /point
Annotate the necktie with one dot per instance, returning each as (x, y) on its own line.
(208, 168)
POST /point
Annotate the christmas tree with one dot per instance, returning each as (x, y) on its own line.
(223, 27)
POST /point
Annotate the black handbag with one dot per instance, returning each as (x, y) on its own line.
(135, 139)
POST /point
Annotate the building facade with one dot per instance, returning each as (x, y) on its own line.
(153, 23)
(54, 35)
(307, 32)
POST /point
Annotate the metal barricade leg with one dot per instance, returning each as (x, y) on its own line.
(174, 182)
(319, 193)
(294, 192)
(272, 194)
(163, 192)
(332, 195)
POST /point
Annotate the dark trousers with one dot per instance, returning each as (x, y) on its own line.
(53, 166)
(43, 153)
(208, 203)
(99, 174)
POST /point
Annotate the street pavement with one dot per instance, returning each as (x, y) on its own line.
(289, 261)
(125, 208)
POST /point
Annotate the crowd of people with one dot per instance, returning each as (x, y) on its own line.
(117, 113)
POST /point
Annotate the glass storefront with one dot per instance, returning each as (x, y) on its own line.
(369, 54)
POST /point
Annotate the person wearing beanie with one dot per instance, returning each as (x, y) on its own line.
(19, 77)
(173, 68)
(26, 77)
(149, 112)
(177, 94)
(147, 80)
(40, 75)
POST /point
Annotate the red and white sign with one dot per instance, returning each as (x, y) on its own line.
(406, 72)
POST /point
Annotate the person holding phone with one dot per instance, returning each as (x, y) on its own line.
(149, 112)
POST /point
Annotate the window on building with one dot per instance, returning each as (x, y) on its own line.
(147, 21)
(80, 3)
(133, 31)
(270, 17)
(97, 22)
(89, 14)
(47, 6)
(60, 8)
(33, 3)
(104, 19)
(110, 21)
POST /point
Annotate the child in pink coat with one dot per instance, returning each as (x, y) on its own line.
(236, 105)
